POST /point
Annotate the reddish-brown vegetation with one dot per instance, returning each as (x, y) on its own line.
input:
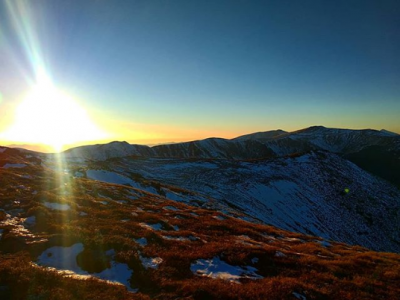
(113, 218)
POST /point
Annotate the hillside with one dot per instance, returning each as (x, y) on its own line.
(64, 236)
(292, 180)
(305, 193)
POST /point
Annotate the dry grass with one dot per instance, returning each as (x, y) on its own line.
(305, 266)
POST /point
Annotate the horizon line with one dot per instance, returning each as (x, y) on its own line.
(42, 148)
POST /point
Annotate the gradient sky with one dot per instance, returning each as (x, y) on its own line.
(157, 71)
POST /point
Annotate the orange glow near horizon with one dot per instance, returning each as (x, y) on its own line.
(49, 118)
(117, 130)
(134, 133)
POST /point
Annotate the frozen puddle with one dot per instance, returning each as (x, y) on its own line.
(325, 244)
(246, 240)
(180, 238)
(216, 268)
(299, 296)
(156, 226)
(57, 206)
(169, 207)
(151, 262)
(30, 221)
(280, 254)
(18, 166)
(79, 174)
(142, 241)
(62, 258)
(288, 239)
(121, 201)
(176, 238)
(65, 258)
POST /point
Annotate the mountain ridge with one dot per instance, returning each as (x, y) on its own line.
(270, 133)
(309, 169)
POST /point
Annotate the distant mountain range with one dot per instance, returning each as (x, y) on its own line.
(251, 146)
(375, 151)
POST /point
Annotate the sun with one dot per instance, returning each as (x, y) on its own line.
(48, 116)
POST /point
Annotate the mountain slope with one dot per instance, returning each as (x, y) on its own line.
(66, 237)
(305, 193)
(302, 189)
(106, 151)
(343, 141)
(378, 160)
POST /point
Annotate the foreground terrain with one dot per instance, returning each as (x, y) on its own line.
(73, 229)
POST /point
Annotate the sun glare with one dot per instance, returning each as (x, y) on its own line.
(47, 116)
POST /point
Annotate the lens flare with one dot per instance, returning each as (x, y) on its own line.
(47, 116)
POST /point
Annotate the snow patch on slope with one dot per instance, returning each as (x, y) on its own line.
(16, 166)
(110, 177)
(64, 258)
(57, 206)
(216, 268)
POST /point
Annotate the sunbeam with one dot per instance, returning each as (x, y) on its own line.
(46, 116)
(23, 20)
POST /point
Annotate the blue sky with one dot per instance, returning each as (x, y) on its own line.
(215, 67)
